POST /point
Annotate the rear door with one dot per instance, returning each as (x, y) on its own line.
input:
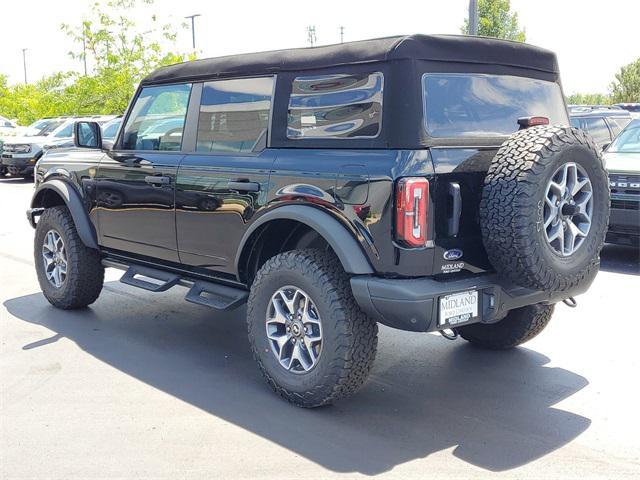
(225, 180)
(468, 116)
(136, 181)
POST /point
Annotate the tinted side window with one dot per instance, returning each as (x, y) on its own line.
(65, 132)
(156, 121)
(336, 106)
(597, 128)
(234, 115)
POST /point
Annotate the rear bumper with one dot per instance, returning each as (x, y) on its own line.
(413, 304)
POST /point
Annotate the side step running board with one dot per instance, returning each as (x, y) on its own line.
(216, 296)
(209, 294)
(149, 278)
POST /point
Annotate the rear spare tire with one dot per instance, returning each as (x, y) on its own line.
(545, 208)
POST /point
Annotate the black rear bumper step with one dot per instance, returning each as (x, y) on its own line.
(209, 294)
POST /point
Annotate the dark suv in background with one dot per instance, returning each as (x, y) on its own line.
(429, 183)
(603, 123)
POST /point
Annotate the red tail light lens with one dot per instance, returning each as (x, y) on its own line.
(412, 202)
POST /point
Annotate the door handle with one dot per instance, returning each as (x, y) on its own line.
(454, 220)
(243, 186)
(157, 180)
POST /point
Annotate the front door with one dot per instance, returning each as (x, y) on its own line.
(136, 181)
(226, 179)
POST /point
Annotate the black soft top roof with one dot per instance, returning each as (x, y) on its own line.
(441, 48)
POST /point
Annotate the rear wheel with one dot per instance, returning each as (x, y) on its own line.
(70, 273)
(519, 326)
(312, 342)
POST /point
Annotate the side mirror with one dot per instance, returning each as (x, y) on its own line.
(87, 135)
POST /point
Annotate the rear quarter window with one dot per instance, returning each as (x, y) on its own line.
(336, 106)
(469, 105)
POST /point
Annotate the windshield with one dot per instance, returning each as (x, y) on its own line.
(628, 141)
(42, 128)
(469, 105)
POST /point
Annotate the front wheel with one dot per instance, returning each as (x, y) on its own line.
(70, 273)
(519, 326)
(312, 342)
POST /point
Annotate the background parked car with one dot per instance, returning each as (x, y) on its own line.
(7, 127)
(63, 137)
(604, 123)
(20, 153)
(632, 108)
(110, 129)
(622, 160)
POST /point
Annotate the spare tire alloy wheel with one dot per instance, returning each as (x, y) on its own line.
(568, 209)
(294, 329)
(54, 257)
(545, 208)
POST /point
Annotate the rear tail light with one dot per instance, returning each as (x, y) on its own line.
(412, 203)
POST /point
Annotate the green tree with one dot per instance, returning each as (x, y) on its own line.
(120, 54)
(626, 86)
(496, 20)
(589, 99)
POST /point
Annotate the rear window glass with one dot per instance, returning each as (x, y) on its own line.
(459, 105)
(336, 106)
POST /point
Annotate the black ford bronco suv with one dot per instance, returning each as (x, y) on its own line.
(429, 183)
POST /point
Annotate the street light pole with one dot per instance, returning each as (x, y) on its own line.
(193, 28)
(84, 52)
(24, 63)
(473, 17)
(341, 34)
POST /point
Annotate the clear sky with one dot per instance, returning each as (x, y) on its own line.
(592, 38)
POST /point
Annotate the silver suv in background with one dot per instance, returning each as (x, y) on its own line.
(603, 123)
(21, 153)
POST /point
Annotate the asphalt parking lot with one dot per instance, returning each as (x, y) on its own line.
(144, 385)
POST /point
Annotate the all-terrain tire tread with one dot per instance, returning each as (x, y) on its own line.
(355, 352)
(85, 275)
(509, 207)
(518, 327)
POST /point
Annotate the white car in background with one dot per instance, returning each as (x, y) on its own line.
(63, 137)
(7, 127)
(20, 154)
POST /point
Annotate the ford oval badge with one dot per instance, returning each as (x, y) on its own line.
(453, 254)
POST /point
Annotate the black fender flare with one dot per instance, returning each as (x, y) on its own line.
(76, 207)
(337, 235)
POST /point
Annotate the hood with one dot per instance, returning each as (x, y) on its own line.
(622, 162)
(39, 140)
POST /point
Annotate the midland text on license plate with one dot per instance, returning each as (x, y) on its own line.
(458, 307)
